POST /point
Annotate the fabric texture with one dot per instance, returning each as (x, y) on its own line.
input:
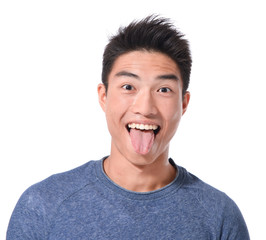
(85, 204)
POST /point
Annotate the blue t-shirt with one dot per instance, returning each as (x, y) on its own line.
(85, 204)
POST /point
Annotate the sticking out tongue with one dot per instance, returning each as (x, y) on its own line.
(142, 141)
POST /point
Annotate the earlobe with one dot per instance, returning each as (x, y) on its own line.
(102, 95)
(186, 99)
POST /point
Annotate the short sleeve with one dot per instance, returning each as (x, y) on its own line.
(28, 218)
(233, 223)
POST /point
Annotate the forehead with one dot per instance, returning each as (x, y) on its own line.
(145, 62)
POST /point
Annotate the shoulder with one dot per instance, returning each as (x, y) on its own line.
(59, 186)
(209, 197)
(203, 192)
(212, 200)
(218, 206)
(39, 203)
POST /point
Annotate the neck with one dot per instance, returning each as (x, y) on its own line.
(139, 178)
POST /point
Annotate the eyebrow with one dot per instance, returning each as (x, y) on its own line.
(127, 74)
(160, 77)
(168, 77)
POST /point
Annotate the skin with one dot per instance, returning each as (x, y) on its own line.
(143, 87)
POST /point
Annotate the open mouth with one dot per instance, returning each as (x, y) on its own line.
(142, 136)
(143, 127)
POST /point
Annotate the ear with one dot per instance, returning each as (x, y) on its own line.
(185, 102)
(102, 95)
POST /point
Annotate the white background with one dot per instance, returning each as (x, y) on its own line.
(50, 121)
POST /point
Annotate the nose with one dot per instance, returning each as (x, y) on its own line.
(144, 104)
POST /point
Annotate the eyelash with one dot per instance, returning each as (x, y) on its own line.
(129, 87)
(165, 88)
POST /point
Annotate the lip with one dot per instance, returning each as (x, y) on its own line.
(145, 123)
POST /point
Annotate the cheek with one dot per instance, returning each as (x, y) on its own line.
(172, 111)
(172, 116)
(115, 108)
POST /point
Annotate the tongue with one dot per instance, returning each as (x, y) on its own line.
(142, 141)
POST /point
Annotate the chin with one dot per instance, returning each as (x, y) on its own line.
(138, 159)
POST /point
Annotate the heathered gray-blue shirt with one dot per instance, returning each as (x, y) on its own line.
(85, 204)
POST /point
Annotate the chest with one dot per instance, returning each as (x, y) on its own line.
(127, 219)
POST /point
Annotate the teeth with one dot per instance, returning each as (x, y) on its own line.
(142, 126)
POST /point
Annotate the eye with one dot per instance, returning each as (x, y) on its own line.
(128, 87)
(164, 90)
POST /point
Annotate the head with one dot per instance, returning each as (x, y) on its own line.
(151, 34)
(146, 69)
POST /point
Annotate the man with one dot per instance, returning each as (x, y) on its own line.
(137, 192)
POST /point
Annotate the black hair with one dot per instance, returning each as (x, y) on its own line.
(152, 34)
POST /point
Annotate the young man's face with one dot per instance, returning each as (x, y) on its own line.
(143, 105)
